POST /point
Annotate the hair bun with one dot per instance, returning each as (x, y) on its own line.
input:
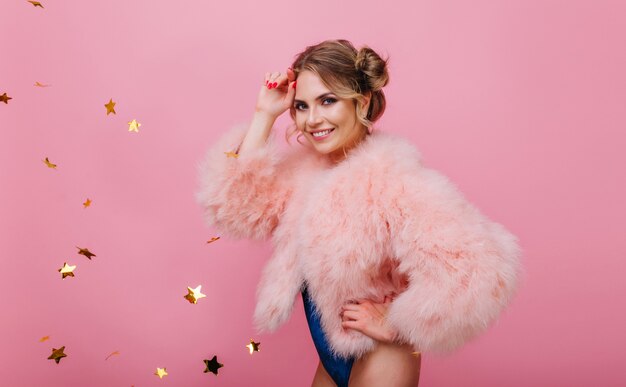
(373, 68)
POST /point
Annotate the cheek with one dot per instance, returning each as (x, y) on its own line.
(340, 115)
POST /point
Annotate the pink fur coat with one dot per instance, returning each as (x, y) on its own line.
(376, 224)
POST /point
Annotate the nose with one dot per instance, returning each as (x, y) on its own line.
(314, 118)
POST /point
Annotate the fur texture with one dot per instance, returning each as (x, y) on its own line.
(378, 223)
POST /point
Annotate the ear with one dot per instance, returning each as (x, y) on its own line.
(368, 98)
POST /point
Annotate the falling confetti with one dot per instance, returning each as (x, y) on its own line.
(35, 3)
(45, 338)
(5, 98)
(110, 107)
(160, 372)
(112, 354)
(85, 252)
(253, 347)
(212, 365)
(49, 164)
(213, 239)
(67, 270)
(57, 354)
(133, 126)
(87, 203)
(38, 84)
(194, 294)
(231, 154)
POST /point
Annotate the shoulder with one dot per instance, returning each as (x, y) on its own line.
(388, 155)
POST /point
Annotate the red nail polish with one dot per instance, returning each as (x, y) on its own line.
(275, 84)
(294, 84)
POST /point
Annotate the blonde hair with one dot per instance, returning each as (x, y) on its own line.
(347, 72)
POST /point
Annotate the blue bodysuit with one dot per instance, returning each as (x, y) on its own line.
(338, 368)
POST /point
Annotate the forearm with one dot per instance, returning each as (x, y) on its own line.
(257, 134)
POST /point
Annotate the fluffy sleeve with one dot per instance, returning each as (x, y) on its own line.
(244, 196)
(462, 267)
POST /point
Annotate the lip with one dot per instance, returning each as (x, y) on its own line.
(322, 137)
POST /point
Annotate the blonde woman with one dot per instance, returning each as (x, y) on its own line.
(389, 257)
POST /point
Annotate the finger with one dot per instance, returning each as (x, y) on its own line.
(351, 325)
(350, 315)
(291, 75)
(291, 91)
(352, 307)
(282, 81)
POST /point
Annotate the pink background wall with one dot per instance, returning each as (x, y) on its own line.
(521, 103)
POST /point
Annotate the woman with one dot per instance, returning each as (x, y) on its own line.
(389, 257)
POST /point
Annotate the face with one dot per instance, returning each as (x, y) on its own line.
(318, 109)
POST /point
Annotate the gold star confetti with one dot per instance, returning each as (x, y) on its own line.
(213, 239)
(212, 365)
(110, 107)
(231, 154)
(49, 164)
(57, 354)
(38, 84)
(44, 339)
(5, 98)
(112, 354)
(87, 203)
(160, 372)
(35, 3)
(253, 347)
(133, 126)
(67, 270)
(85, 252)
(194, 294)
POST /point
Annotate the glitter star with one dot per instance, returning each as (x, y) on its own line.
(49, 164)
(110, 106)
(212, 365)
(57, 354)
(87, 203)
(133, 126)
(194, 294)
(213, 239)
(85, 252)
(67, 270)
(253, 347)
(160, 372)
(44, 339)
(5, 98)
(35, 3)
(231, 154)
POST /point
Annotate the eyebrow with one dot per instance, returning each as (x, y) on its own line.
(318, 97)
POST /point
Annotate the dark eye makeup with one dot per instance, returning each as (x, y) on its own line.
(298, 104)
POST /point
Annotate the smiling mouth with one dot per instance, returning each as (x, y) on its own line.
(323, 132)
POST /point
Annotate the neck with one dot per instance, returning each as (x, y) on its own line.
(342, 153)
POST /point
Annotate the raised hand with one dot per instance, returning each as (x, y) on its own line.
(277, 93)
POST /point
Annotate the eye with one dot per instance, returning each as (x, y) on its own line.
(332, 100)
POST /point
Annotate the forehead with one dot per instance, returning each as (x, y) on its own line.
(309, 86)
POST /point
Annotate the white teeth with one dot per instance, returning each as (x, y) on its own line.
(319, 134)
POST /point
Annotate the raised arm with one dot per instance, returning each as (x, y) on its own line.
(463, 268)
(245, 181)
(243, 191)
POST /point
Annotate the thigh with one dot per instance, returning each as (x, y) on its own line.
(390, 365)
(322, 378)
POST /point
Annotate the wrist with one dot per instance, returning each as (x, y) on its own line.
(263, 117)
